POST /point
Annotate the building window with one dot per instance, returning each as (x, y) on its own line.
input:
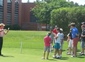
(1, 2)
(32, 17)
(1, 11)
(17, 1)
(9, 1)
(16, 14)
(9, 12)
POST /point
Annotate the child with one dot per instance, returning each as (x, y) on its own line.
(57, 46)
(62, 38)
(47, 41)
(70, 44)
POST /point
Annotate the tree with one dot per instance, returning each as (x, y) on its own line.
(63, 16)
(43, 9)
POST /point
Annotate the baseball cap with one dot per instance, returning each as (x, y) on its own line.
(82, 23)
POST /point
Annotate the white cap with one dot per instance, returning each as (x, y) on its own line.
(61, 29)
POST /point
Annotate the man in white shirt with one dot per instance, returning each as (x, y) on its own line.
(2, 33)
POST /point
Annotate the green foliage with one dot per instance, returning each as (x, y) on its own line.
(43, 9)
(59, 12)
(63, 16)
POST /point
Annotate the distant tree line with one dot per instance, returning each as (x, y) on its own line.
(59, 12)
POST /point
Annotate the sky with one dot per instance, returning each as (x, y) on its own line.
(80, 2)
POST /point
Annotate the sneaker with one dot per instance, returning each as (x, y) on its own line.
(54, 56)
(58, 57)
(82, 53)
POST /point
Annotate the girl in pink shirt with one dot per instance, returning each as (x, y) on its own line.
(47, 41)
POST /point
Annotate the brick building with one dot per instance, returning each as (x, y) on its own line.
(28, 20)
(10, 12)
(14, 12)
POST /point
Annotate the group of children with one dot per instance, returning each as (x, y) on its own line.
(55, 37)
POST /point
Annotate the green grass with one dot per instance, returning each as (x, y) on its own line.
(32, 48)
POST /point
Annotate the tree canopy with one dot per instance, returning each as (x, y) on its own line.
(59, 12)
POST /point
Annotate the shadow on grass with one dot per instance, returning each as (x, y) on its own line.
(6, 56)
(52, 59)
(64, 58)
(78, 50)
(63, 50)
(81, 56)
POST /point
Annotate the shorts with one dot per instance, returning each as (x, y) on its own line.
(70, 43)
(75, 41)
(57, 46)
(47, 48)
(83, 44)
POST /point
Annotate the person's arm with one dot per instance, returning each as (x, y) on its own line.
(1, 30)
(56, 36)
(62, 39)
(77, 33)
(82, 35)
(6, 31)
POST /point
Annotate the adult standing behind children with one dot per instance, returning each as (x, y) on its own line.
(2, 33)
(47, 41)
(75, 37)
(83, 38)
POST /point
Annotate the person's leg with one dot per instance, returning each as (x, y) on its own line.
(44, 53)
(60, 50)
(47, 55)
(75, 42)
(82, 46)
(55, 52)
(58, 56)
(69, 51)
(1, 44)
(48, 51)
(75, 51)
(69, 47)
(51, 47)
(60, 53)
